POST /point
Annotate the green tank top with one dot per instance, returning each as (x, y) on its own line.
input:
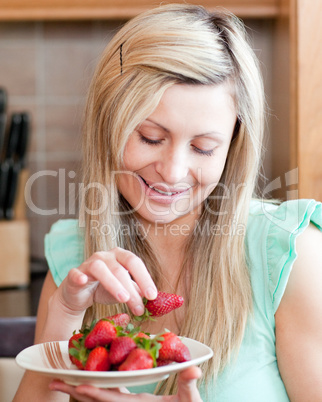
(270, 249)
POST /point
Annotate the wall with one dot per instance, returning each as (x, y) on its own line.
(46, 68)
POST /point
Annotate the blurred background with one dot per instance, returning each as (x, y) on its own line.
(46, 68)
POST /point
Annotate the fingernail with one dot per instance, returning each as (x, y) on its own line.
(138, 310)
(123, 296)
(151, 293)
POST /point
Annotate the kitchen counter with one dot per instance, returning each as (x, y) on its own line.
(18, 309)
(22, 302)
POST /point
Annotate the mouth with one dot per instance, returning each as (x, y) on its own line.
(158, 190)
(163, 192)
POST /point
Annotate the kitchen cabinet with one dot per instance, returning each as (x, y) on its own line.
(89, 9)
(297, 76)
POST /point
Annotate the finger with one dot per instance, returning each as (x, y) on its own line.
(60, 386)
(74, 284)
(187, 384)
(138, 271)
(101, 272)
(104, 395)
(76, 278)
(119, 273)
(116, 280)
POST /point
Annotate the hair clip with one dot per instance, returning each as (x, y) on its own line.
(121, 58)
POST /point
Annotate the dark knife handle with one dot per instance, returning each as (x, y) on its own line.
(12, 186)
(3, 120)
(3, 100)
(3, 108)
(23, 139)
(14, 134)
(4, 176)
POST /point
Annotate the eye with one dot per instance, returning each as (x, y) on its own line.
(146, 140)
(210, 152)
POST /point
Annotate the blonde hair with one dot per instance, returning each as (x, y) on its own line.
(180, 44)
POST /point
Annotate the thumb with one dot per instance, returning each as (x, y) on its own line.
(187, 385)
(76, 278)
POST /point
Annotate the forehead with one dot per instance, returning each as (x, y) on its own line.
(196, 105)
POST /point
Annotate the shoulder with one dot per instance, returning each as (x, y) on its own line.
(271, 239)
(304, 286)
(298, 320)
(64, 248)
(279, 224)
(283, 215)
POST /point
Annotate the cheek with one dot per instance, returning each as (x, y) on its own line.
(129, 158)
(212, 170)
(135, 155)
(209, 174)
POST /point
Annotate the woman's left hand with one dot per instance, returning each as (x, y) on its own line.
(187, 391)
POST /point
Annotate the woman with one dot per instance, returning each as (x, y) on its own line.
(172, 148)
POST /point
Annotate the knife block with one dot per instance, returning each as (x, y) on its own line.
(14, 253)
(14, 243)
(20, 205)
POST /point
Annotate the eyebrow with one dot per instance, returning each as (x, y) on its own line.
(212, 133)
(159, 125)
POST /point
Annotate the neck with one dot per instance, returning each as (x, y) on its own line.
(168, 242)
(172, 235)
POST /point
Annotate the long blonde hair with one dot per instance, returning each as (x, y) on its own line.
(179, 44)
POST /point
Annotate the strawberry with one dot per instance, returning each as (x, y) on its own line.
(161, 363)
(138, 359)
(121, 319)
(163, 304)
(101, 335)
(98, 360)
(74, 350)
(173, 349)
(166, 335)
(120, 348)
(142, 335)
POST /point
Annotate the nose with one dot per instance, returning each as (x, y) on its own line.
(173, 166)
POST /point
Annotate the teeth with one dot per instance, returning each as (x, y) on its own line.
(161, 192)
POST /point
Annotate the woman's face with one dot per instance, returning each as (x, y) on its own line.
(175, 158)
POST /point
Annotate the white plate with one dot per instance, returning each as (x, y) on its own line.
(51, 359)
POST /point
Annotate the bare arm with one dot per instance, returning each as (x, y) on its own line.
(102, 278)
(40, 391)
(299, 322)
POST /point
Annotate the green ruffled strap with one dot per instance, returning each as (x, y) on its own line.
(64, 248)
(289, 220)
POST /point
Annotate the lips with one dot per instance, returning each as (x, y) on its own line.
(158, 190)
(160, 195)
(161, 191)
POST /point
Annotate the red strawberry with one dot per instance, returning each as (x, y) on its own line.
(101, 335)
(165, 336)
(173, 349)
(74, 347)
(142, 335)
(163, 304)
(120, 348)
(121, 320)
(161, 363)
(98, 360)
(138, 359)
